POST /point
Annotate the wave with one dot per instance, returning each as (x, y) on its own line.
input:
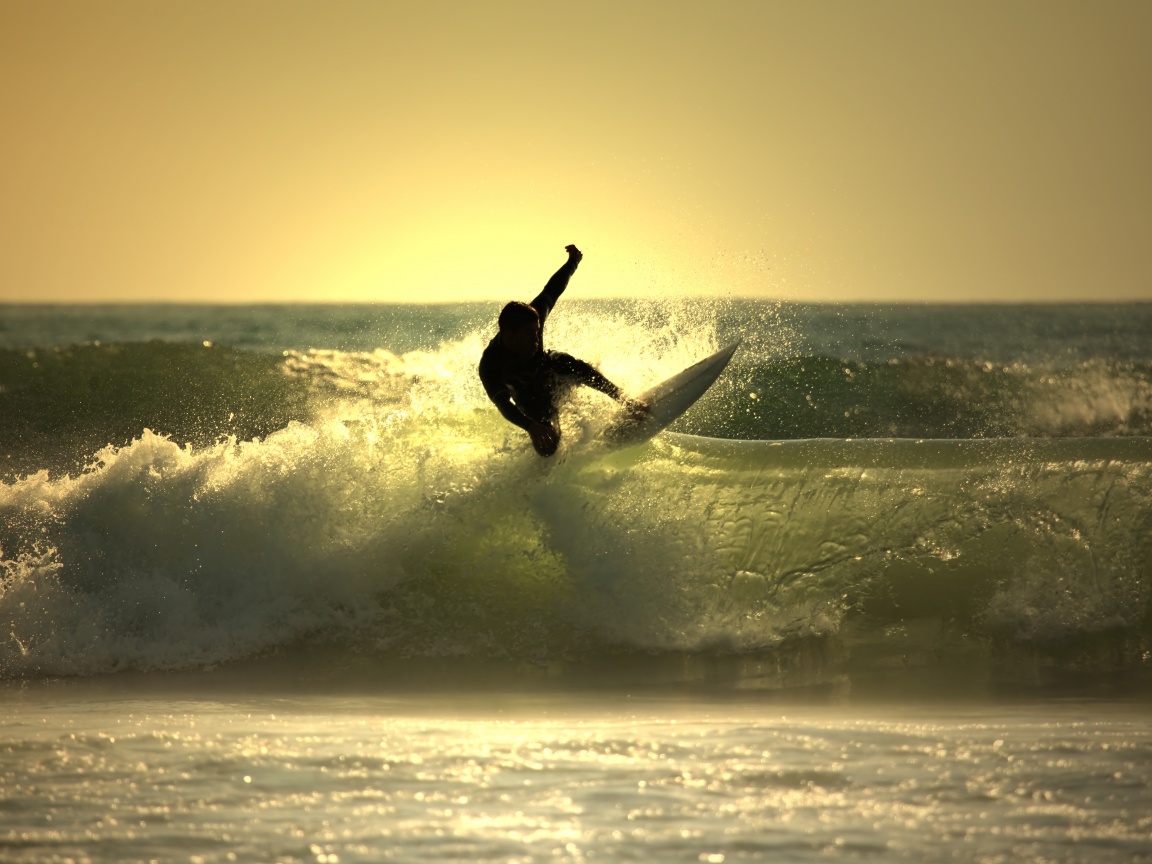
(383, 543)
(59, 406)
(180, 506)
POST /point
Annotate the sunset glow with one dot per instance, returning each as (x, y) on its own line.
(368, 151)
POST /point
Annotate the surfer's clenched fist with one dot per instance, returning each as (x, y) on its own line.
(574, 254)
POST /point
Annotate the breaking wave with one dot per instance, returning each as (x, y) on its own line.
(373, 503)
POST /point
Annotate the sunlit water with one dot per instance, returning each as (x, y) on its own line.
(118, 774)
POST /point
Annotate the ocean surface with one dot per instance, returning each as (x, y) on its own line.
(277, 583)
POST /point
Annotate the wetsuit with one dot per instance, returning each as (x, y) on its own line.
(526, 391)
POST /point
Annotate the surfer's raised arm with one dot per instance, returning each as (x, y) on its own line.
(555, 286)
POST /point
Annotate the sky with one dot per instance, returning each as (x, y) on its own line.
(447, 150)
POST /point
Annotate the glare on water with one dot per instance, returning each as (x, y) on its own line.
(569, 778)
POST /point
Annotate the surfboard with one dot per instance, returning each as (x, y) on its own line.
(668, 400)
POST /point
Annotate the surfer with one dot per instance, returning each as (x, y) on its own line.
(525, 381)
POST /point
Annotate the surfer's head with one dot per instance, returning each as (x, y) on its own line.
(520, 329)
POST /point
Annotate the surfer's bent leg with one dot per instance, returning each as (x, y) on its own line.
(583, 373)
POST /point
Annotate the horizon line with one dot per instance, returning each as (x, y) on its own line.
(632, 299)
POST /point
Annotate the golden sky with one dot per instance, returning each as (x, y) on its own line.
(440, 150)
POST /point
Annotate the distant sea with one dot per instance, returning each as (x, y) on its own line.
(277, 583)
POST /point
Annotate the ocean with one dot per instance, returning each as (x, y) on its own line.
(277, 583)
